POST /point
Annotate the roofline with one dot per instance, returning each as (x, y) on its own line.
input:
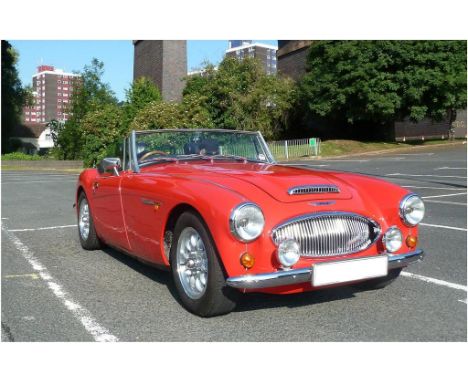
(56, 73)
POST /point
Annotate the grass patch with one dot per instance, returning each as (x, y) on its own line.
(21, 156)
(346, 147)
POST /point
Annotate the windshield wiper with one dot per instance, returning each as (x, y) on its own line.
(227, 156)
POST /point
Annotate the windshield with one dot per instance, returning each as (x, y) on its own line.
(167, 145)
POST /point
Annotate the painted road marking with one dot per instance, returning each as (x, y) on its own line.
(42, 228)
(97, 331)
(436, 188)
(435, 176)
(33, 276)
(435, 281)
(445, 202)
(450, 168)
(443, 226)
(463, 301)
(443, 196)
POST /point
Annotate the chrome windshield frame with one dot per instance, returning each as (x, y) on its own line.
(269, 159)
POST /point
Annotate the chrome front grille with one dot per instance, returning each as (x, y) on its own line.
(329, 234)
(314, 189)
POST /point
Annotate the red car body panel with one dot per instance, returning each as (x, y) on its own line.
(131, 211)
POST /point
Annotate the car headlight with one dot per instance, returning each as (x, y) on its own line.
(289, 252)
(412, 209)
(392, 239)
(247, 222)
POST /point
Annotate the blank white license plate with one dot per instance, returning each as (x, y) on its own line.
(336, 272)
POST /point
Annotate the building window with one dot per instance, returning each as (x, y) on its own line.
(65, 82)
(59, 100)
(59, 94)
(59, 81)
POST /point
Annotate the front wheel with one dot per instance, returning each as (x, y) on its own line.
(196, 269)
(380, 282)
(88, 237)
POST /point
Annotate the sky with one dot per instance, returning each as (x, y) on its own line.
(116, 55)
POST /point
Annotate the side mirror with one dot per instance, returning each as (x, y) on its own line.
(109, 166)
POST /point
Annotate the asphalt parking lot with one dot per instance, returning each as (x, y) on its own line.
(52, 290)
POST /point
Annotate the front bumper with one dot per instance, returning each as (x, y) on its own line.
(304, 275)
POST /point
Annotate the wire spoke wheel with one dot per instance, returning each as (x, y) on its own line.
(192, 263)
(83, 219)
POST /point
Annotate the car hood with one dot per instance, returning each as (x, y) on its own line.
(275, 180)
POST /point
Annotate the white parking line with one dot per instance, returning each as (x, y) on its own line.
(434, 188)
(435, 281)
(432, 175)
(97, 331)
(450, 168)
(445, 202)
(442, 196)
(463, 301)
(443, 226)
(41, 228)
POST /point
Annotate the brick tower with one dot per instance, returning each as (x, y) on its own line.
(164, 62)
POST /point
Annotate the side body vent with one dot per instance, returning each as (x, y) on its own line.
(314, 189)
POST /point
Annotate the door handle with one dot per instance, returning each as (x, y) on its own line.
(95, 186)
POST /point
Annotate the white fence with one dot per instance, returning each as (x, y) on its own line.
(295, 148)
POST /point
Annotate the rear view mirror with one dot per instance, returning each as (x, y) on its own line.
(110, 166)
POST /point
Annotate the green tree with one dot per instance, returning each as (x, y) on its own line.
(240, 95)
(102, 133)
(354, 82)
(13, 94)
(142, 92)
(171, 115)
(90, 94)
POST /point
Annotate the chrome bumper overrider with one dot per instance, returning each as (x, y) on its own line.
(303, 275)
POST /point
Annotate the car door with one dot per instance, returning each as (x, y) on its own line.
(107, 205)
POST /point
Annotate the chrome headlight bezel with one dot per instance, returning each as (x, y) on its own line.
(235, 230)
(405, 203)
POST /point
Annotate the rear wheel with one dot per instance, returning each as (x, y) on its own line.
(88, 237)
(197, 272)
(380, 282)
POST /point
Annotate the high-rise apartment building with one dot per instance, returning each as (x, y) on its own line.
(266, 54)
(52, 90)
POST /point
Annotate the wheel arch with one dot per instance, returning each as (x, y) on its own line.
(174, 215)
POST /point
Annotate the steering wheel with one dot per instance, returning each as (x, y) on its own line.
(148, 154)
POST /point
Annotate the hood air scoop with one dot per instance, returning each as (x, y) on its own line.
(314, 189)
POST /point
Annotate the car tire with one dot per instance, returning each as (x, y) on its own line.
(380, 282)
(86, 231)
(209, 296)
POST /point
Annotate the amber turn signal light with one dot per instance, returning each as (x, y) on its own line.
(247, 260)
(411, 241)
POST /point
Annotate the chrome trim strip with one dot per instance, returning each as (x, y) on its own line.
(135, 166)
(303, 275)
(308, 189)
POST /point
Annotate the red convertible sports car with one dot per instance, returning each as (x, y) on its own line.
(214, 208)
